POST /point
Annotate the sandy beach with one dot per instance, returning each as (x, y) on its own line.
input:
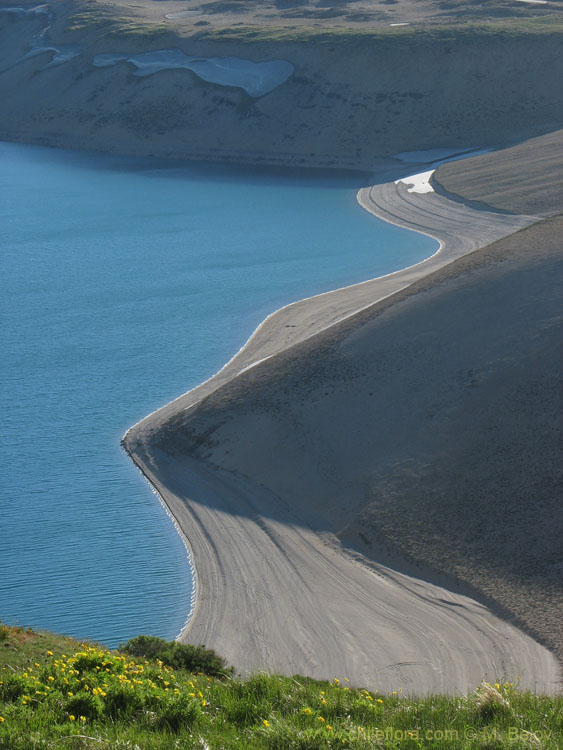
(336, 480)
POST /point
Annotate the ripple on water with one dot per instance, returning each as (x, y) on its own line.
(126, 282)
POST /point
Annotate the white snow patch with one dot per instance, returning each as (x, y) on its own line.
(182, 14)
(17, 11)
(418, 183)
(60, 55)
(256, 79)
(253, 364)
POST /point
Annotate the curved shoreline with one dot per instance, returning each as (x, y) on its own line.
(461, 230)
(316, 313)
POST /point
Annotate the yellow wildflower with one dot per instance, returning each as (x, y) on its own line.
(72, 717)
(1, 719)
(266, 723)
(329, 728)
(320, 718)
(49, 653)
(307, 711)
(82, 718)
(379, 700)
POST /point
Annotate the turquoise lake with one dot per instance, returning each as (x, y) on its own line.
(126, 282)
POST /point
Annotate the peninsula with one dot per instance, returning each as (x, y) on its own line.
(369, 487)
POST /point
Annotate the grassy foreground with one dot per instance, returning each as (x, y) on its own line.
(58, 693)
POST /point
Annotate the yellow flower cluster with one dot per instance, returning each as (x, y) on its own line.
(94, 672)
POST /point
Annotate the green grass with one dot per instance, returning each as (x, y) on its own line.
(107, 23)
(552, 24)
(58, 693)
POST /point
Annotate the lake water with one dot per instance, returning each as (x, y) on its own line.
(124, 283)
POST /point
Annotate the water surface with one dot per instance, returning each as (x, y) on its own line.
(125, 282)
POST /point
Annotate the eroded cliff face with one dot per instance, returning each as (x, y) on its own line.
(352, 97)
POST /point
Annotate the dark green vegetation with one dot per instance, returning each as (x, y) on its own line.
(177, 655)
(56, 692)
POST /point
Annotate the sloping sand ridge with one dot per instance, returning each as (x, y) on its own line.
(306, 481)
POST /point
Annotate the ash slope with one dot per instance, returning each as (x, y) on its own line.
(526, 178)
(428, 426)
(420, 436)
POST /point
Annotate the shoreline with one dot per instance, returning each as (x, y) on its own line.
(348, 301)
(488, 225)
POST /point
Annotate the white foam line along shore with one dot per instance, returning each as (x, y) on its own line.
(267, 587)
(189, 557)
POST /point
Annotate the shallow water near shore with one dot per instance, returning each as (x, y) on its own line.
(125, 282)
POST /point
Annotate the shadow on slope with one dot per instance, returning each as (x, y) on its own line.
(429, 423)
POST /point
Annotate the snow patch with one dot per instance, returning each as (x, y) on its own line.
(418, 183)
(256, 79)
(60, 55)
